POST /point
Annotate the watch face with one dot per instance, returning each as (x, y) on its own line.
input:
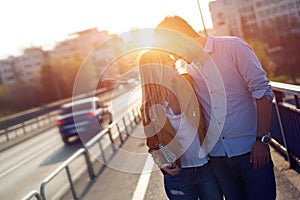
(266, 139)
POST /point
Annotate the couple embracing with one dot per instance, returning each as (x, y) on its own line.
(207, 129)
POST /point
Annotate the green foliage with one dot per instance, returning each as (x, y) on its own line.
(19, 96)
(281, 34)
(261, 48)
(4, 102)
(64, 71)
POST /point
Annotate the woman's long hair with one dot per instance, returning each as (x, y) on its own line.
(152, 66)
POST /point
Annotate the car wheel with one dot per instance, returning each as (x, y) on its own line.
(66, 140)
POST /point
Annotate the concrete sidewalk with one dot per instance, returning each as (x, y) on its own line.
(287, 180)
(115, 184)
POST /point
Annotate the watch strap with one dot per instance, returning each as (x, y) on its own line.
(264, 139)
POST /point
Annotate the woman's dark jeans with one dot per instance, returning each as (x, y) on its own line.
(193, 183)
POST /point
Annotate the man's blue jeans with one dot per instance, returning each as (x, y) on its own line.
(193, 183)
(239, 180)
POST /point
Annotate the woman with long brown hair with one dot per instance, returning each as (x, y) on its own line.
(174, 126)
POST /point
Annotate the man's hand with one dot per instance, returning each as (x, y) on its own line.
(172, 168)
(260, 155)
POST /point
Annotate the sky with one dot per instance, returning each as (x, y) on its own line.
(44, 22)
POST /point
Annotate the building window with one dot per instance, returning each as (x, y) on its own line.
(10, 78)
(227, 2)
(291, 5)
(283, 8)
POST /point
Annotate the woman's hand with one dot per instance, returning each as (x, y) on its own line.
(171, 168)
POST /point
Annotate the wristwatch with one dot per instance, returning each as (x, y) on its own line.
(264, 139)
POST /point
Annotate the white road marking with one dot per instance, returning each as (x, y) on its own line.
(142, 184)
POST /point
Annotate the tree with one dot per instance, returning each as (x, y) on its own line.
(261, 50)
(21, 93)
(50, 90)
(65, 70)
(5, 103)
(282, 38)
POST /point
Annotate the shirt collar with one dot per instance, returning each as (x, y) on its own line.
(209, 43)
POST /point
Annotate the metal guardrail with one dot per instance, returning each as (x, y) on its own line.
(285, 122)
(32, 194)
(121, 125)
(65, 166)
(31, 120)
(26, 126)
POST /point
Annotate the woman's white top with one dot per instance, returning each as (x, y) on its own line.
(188, 139)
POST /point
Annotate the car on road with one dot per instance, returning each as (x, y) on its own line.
(84, 118)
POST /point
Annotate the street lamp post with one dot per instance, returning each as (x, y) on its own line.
(204, 29)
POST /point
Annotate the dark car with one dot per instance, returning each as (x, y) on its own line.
(84, 118)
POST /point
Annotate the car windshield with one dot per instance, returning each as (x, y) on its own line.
(79, 107)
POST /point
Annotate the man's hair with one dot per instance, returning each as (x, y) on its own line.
(178, 24)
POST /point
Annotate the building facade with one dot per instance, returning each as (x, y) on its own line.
(237, 17)
(79, 43)
(27, 67)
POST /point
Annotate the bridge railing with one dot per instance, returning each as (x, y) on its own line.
(22, 125)
(33, 194)
(117, 130)
(285, 122)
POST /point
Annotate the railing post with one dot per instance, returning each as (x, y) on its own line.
(23, 127)
(111, 139)
(125, 126)
(89, 164)
(130, 119)
(120, 133)
(71, 182)
(6, 134)
(38, 122)
(137, 117)
(102, 152)
(278, 100)
(42, 191)
(297, 101)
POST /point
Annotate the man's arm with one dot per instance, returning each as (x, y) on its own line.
(258, 85)
(264, 107)
(260, 151)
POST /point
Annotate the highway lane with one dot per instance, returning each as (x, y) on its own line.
(23, 167)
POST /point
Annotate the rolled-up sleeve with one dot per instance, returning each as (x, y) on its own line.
(251, 70)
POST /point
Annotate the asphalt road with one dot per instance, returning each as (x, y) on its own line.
(24, 166)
